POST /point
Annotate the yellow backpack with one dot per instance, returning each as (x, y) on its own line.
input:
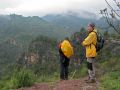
(67, 48)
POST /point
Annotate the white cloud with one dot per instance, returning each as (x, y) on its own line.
(43, 7)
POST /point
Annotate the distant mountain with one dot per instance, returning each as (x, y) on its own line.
(75, 22)
(25, 28)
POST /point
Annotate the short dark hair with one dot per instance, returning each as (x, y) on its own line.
(67, 38)
(92, 25)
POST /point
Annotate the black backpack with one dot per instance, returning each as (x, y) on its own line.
(100, 41)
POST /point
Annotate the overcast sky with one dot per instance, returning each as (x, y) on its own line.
(43, 7)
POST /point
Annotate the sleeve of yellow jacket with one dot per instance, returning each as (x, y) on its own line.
(89, 44)
(89, 39)
(67, 48)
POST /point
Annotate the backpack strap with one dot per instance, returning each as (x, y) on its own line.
(96, 36)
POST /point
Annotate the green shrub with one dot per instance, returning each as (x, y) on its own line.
(110, 81)
(22, 78)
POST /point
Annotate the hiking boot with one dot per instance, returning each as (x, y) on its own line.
(66, 78)
(91, 81)
(62, 79)
(87, 79)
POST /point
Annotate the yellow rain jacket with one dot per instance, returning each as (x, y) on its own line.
(90, 43)
(67, 48)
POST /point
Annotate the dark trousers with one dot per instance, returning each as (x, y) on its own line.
(64, 64)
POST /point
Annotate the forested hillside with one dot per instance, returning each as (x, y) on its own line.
(25, 28)
(29, 51)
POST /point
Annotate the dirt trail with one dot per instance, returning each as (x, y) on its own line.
(65, 85)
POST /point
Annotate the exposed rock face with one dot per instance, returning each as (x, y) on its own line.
(12, 41)
(33, 58)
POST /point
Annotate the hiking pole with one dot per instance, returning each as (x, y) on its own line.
(73, 74)
(80, 41)
(76, 69)
(78, 65)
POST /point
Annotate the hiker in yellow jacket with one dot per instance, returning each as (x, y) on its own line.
(90, 45)
(66, 51)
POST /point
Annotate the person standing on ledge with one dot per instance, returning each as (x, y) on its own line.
(65, 51)
(90, 44)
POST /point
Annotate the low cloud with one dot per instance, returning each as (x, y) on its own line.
(43, 7)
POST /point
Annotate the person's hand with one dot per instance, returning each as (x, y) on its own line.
(82, 44)
(78, 39)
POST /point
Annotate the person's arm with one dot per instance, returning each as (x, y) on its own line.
(88, 40)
